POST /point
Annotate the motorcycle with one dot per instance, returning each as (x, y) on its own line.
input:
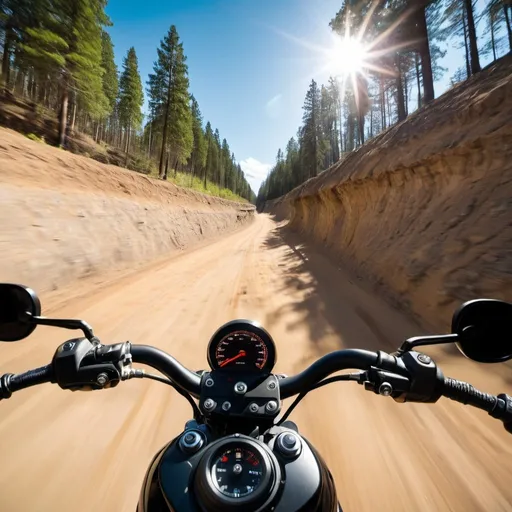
(237, 453)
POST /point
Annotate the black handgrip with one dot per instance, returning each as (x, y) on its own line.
(466, 394)
(499, 407)
(9, 383)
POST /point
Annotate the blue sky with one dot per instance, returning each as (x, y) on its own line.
(249, 78)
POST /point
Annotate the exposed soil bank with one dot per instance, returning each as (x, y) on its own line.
(425, 209)
(64, 216)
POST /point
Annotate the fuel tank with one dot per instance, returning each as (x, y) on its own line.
(168, 484)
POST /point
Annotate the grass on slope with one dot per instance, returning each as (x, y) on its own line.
(187, 180)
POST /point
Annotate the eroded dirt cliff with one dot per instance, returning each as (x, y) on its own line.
(64, 216)
(424, 210)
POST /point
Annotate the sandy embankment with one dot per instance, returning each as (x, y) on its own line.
(425, 209)
(65, 216)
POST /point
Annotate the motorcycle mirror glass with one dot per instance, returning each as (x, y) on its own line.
(484, 330)
(15, 302)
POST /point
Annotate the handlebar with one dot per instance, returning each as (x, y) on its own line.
(410, 376)
(182, 377)
(326, 365)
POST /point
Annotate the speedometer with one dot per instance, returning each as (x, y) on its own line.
(242, 345)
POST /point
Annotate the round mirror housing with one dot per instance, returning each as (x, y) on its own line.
(15, 302)
(484, 330)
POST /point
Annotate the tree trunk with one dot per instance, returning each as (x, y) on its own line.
(63, 116)
(466, 48)
(342, 147)
(349, 143)
(475, 61)
(382, 103)
(6, 59)
(426, 61)
(166, 120)
(164, 177)
(388, 103)
(400, 103)
(96, 137)
(406, 95)
(73, 117)
(509, 28)
(41, 92)
(149, 138)
(493, 44)
(128, 141)
(417, 64)
(175, 166)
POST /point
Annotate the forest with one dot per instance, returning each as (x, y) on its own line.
(58, 55)
(411, 36)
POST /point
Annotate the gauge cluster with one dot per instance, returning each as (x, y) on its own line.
(237, 473)
(242, 345)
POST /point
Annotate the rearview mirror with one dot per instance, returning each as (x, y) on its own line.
(15, 301)
(484, 330)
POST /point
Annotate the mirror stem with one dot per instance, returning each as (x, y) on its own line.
(418, 341)
(63, 323)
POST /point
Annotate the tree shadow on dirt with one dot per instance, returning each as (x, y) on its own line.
(333, 304)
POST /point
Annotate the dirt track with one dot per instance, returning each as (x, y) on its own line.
(89, 451)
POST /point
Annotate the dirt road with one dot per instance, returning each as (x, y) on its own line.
(89, 451)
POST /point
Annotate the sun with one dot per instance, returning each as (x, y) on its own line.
(347, 56)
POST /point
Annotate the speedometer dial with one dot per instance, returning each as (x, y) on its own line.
(242, 345)
(241, 349)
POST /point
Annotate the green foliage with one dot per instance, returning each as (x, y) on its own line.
(63, 62)
(110, 75)
(199, 150)
(35, 138)
(169, 99)
(131, 95)
(186, 180)
(406, 38)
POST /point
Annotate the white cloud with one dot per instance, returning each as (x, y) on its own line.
(274, 106)
(255, 172)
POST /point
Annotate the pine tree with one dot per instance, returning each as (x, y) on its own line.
(169, 99)
(210, 153)
(110, 72)
(67, 44)
(199, 150)
(496, 17)
(311, 134)
(131, 96)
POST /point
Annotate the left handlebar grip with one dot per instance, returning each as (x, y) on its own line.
(9, 383)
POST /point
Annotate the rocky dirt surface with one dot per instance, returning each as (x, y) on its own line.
(89, 451)
(65, 216)
(425, 209)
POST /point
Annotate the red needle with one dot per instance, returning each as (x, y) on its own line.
(238, 356)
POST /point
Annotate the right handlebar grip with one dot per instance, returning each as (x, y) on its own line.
(465, 393)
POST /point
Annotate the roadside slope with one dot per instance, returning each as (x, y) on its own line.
(424, 209)
(65, 216)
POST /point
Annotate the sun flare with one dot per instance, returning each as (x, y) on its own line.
(347, 56)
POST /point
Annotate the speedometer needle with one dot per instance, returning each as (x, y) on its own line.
(234, 358)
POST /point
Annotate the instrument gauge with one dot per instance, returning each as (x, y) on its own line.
(242, 345)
